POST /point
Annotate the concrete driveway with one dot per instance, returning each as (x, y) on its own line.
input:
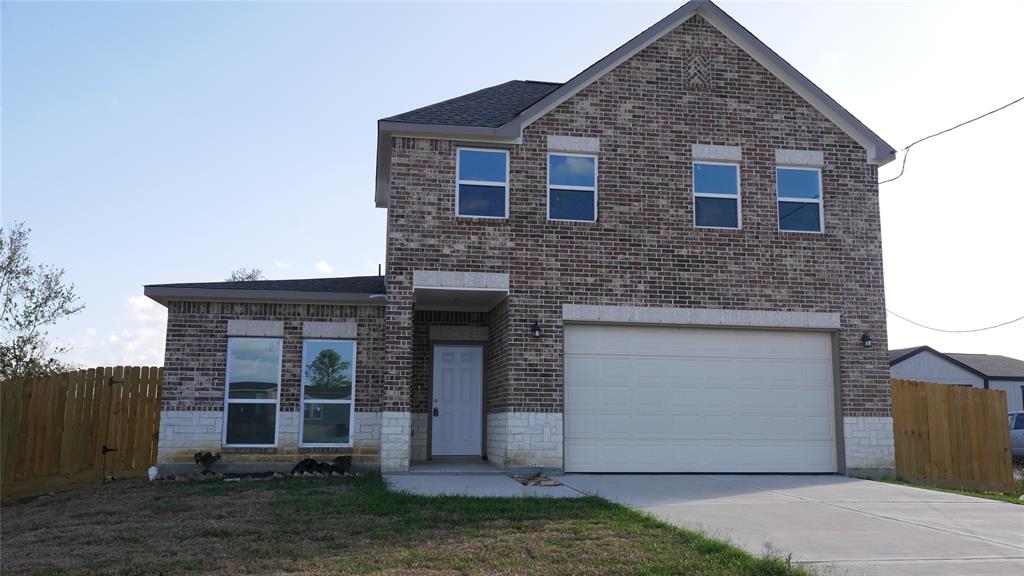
(842, 525)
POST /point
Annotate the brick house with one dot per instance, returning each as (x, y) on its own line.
(670, 263)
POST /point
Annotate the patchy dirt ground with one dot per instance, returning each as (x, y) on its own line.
(344, 526)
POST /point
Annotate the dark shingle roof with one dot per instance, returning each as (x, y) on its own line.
(991, 365)
(898, 354)
(487, 108)
(351, 285)
(985, 365)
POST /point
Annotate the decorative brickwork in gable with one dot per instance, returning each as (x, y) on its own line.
(644, 249)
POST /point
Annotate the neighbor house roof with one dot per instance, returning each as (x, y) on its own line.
(461, 117)
(487, 108)
(991, 365)
(352, 289)
(901, 353)
(988, 366)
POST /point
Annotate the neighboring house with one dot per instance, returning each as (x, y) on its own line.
(670, 263)
(978, 370)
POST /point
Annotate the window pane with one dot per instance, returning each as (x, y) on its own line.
(799, 216)
(325, 423)
(572, 171)
(572, 205)
(254, 368)
(327, 368)
(719, 212)
(481, 200)
(482, 165)
(715, 179)
(798, 183)
(251, 423)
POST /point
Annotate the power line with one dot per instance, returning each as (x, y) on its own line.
(906, 151)
(954, 331)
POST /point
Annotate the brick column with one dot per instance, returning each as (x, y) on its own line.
(396, 415)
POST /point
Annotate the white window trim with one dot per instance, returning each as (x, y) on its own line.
(576, 188)
(459, 182)
(351, 401)
(820, 201)
(275, 401)
(737, 196)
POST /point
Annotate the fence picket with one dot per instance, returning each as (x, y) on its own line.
(54, 428)
(951, 435)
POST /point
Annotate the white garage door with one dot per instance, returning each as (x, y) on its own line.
(661, 399)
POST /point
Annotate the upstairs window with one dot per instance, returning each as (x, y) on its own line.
(716, 195)
(799, 192)
(482, 183)
(572, 187)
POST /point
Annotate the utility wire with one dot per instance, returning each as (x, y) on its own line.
(906, 151)
(954, 331)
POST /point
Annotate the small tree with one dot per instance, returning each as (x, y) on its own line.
(31, 298)
(328, 370)
(246, 275)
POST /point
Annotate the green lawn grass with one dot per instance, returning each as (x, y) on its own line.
(348, 526)
(1011, 498)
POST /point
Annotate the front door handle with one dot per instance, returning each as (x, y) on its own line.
(435, 411)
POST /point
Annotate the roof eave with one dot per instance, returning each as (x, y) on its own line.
(164, 294)
(387, 129)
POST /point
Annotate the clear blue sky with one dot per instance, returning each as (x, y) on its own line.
(173, 142)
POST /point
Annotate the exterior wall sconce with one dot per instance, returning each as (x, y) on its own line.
(535, 330)
(866, 339)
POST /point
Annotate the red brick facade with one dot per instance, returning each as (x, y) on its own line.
(644, 249)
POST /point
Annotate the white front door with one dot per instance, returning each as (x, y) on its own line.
(457, 410)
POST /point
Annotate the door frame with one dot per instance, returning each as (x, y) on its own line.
(483, 392)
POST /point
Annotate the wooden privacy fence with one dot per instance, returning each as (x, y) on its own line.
(953, 436)
(69, 429)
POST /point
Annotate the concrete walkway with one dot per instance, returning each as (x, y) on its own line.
(842, 525)
(462, 484)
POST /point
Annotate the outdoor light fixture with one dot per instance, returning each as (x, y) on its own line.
(866, 339)
(535, 330)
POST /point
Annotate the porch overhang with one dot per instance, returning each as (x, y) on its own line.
(467, 291)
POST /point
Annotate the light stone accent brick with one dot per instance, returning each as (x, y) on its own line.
(395, 436)
(700, 317)
(814, 158)
(183, 433)
(497, 438)
(719, 153)
(870, 443)
(329, 329)
(533, 439)
(446, 279)
(581, 144)
(269, 328)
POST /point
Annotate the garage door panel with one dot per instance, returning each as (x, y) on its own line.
(658, 399)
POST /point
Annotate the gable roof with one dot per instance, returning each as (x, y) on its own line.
(352, 289)
(487, 108)
(993, 366)
(901, 353)
(510, 131)
(988, 366)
